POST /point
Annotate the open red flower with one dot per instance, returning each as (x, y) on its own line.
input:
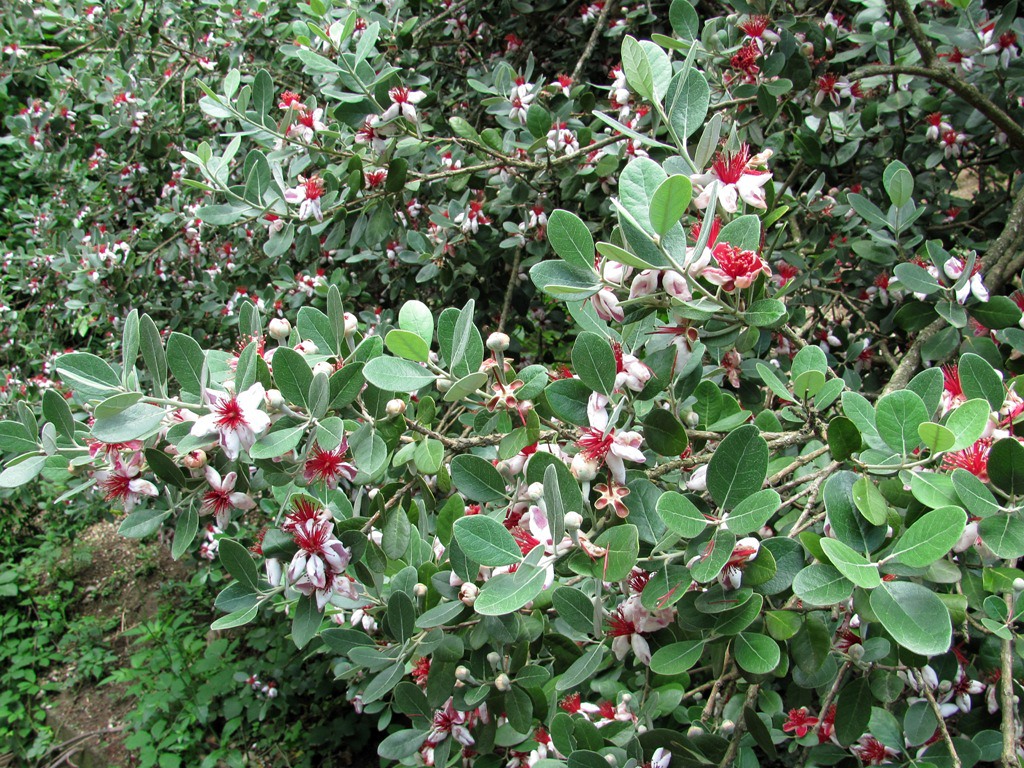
(799, 722)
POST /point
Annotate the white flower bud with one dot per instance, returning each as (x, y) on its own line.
(279, 328)
(307, 348)
(494, 659)
(498, 342)
(419, 589)
(351, 323)
(728, 726)
(698, 479)
(323, 367)
(395, 407)
(462, 673)
(194, 459)
(856, 651)
(502, 683)
(573, 521)
(584, 469)
(468, 593)
(1018, 584)
(535, 491)
(443, 384)
(275, 400)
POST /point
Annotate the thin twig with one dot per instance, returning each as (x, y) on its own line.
(594, 37)
(942, 720)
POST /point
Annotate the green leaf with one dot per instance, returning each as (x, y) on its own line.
(686, 102)
(771, 378)
(898, 416)
(407, 345)
(684, 19)
(870, 502)
(968, 423)
(853, 711)
(185, 531)
(441, 614)
(392, 374)
(914, 615)
(931, 537)
(756, 654)
(997, 313)
(486, 541)
(239, 563)
(820, 584)
(235, 619)
(754, 511)
(278, 441)
(87, 375)
(898, 183)
(743, 232)
(847, 524)
(594, 362)
(670, 201)
(567, 399)
(142, 523)
(933, 489)
(738, 467)
(564, 282)
(292, 375)
(415, 316)
(153, 354)
(979, 379)
(136, 422)
(306, 621)
(186, 358)
(974, 494)
(574, 608)
(429, 456)
(22, 472)
(1004, 535)
(56, 411)
(508, 592)
(936, 438)
(382, 684)
(663, 433)
(862, 413)
(853, 566)
(681, 515)
(809, 358)
(571, 240)
(622, 543)
(782, 625)
(465, 387)
(714, 556)
(914, 278)
(401, 615)
(477, 478)
(322, 330)
(843, 438)
(1006, 466)
(401, 744)
(637, 68)
(582, 669)
(538, 121)
(15, 437)
(677, 658)
(765, 313)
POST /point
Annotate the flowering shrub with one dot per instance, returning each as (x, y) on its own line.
(761, 504)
